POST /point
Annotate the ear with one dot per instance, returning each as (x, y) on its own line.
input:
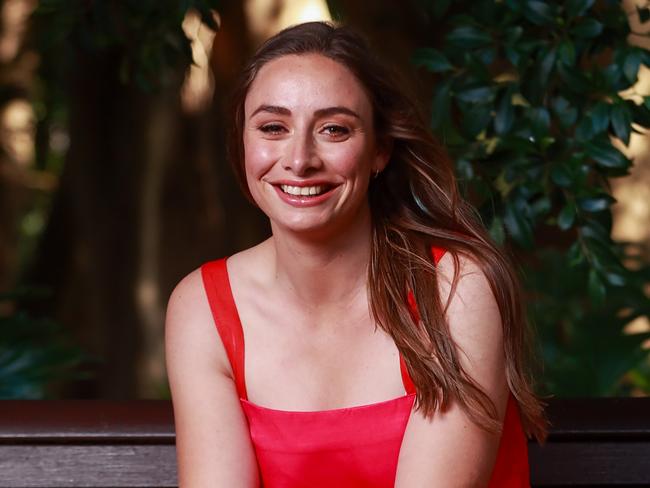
(384, 152)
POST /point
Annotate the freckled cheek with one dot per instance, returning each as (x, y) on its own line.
(259, 158)
(348, 159)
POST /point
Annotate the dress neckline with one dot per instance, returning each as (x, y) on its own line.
(331, 411)
(244, 399)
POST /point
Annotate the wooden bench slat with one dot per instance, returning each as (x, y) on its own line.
(599, 418)
(93, 421)
(590, 464)
(23, 466)
(592, 442)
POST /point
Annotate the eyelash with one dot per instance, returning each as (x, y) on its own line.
(271, 129)
(335, 131)
(339, 130)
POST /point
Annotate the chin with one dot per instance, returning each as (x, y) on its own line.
(301, 227)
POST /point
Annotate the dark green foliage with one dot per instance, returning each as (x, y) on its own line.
(527, 101)
(33, 353)
(585, 351)
(146, 35)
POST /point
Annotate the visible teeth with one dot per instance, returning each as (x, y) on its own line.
(302, 190)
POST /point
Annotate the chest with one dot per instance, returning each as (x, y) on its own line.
(300, 359)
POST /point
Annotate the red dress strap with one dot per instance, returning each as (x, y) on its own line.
(409, 387)
(226, 318)
(438, 253)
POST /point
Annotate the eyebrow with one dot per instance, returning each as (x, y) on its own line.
(322, 112)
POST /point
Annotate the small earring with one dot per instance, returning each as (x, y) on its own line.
(376, 174)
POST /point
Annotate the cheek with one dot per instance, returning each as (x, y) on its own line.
(259, 157)
(350, 159)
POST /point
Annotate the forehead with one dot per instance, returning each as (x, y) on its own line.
(309, 81)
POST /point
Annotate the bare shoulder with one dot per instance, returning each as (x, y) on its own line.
(189, 325)
(213, 445)
(472, 310)
(189, 290)
(475, 325)
(429, 455)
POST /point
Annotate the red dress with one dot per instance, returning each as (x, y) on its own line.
(352, 447)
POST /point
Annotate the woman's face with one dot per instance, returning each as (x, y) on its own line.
(309, 144)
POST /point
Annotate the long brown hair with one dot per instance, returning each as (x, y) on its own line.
(415, 205)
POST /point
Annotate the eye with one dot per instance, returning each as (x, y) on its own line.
(272, 129)
(336, 131)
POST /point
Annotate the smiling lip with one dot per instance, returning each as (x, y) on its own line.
(304, 200)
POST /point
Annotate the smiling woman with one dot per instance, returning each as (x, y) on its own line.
(378, 337)
(309, 145)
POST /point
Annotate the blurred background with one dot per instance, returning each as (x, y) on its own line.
(114, 182)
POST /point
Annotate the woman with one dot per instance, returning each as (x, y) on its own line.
(384, 333)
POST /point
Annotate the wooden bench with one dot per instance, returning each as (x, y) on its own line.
(595, 442)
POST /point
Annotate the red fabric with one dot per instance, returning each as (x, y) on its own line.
(347, 447)
(226, 318)
(353, 447)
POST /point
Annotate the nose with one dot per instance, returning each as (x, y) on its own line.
(301, 155)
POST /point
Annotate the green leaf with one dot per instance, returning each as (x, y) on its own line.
(540, 120)
(514, 33)
(566, 114)
(486, 55)
(613, 76)
(607, 155)
(518, 226)
(566, 53)
(574, 254)
(587, 28)
(595, 203)
(476, 94)
(631, 65)
(576, 8)
(468, 37)
(594, 122)
(594, 230)
(440, 104)
(541, 206)
(505, 114)
(513, 55)
(464, 169)
(567, 216)
(573, 79)
(621, 121)
(602, 255)
(476, 117)
(539, 13)
(561, 175)
(497, 231)
(600, 117)
(596, 287)
(615, 278)
(432, 59)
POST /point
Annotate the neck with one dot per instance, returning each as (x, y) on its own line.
(325, 271)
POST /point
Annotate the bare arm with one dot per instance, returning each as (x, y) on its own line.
(213, 445)
(450, 450)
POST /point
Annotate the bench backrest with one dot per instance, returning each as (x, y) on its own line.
(593, 442)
